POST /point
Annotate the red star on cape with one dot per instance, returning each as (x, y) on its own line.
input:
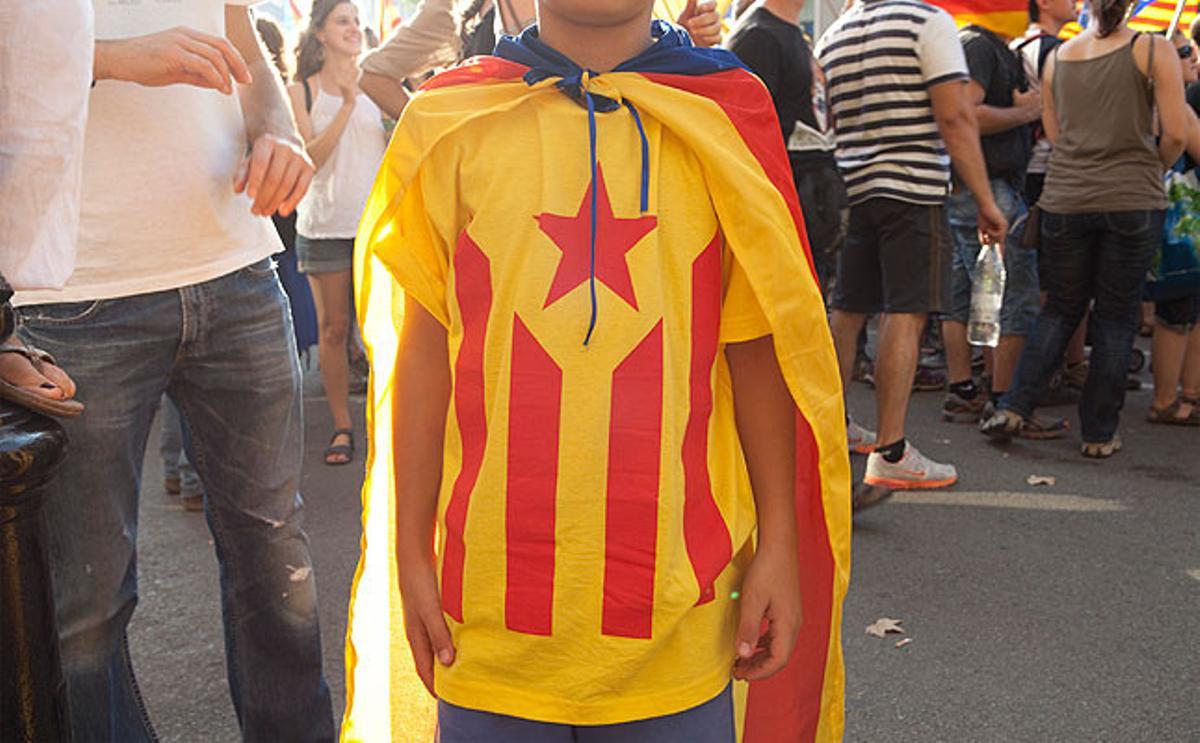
(614, 238)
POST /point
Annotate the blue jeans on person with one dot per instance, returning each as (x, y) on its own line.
(711, 722)
(1100, 256)
(176, 465)
(1020, 301)
(223, 350)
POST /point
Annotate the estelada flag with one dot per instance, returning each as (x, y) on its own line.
(579, 272)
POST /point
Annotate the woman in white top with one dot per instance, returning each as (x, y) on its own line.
(344, 134)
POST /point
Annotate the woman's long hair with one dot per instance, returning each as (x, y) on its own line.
(272, 38)
(1110, 14)
(310, 54)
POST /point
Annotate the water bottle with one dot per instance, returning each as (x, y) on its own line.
(987, 296)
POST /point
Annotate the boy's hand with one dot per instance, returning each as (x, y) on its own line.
(770, 597)
(702, 22)
(424, 625)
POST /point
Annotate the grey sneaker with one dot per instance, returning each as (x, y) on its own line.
(860, 439)
(914, 471)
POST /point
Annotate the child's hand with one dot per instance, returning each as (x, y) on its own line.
(424, 624)
(770, 597)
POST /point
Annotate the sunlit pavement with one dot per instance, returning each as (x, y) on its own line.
(1068, 612)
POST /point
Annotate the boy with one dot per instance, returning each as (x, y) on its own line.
(576, 249)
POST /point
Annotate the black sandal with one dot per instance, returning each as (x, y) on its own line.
(340, 450)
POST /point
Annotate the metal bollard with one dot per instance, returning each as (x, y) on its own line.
(33, 704)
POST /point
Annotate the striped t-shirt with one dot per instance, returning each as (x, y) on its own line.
(881, 57)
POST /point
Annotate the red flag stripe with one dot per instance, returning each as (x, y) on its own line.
(534, 409)
(477, 70)
(706, 536)
(748, 106)
(473, 287)
(791, 699)
(631, 509)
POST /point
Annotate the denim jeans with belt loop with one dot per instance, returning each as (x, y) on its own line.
(224, 352)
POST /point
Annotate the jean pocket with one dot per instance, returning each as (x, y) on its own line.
(59, 313)
(1134, 224)
(1055, 227)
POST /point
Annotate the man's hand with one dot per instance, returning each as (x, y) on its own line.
(993, 226)
(770, 596)
(275, 174)
(1029, 101)
(177, 55)
(424, 625)
(702, 22)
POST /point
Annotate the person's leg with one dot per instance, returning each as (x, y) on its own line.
(170, 445)
(237, 384)
(895, 365)
(1020, 304)
(711, 722)
(1068, 258)
(963, 401)
(1123, 256)
(1190, 378)
(845, 327)
(120, 353)
(331, 291)
(1167, 348)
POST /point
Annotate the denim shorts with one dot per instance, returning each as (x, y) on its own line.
(1179, 315)
(1020, 307)
(711, 722)
(324, 254)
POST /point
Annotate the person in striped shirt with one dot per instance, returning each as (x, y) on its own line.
(898, 93)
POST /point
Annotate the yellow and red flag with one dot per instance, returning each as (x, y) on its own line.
(1007, 18)
(589, 262)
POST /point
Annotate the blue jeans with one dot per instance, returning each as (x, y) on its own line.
(176, 465)
(223, 350)
(711, 722)
(1020, 302)
(1101, 256)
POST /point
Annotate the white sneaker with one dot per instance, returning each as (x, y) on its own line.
(914, 471)
(861, 440)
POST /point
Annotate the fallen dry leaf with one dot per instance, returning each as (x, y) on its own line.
(904, 642)
(883, 626)
(1048, 480)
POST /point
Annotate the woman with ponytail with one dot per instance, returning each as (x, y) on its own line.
(344, 134)
(1103, 210)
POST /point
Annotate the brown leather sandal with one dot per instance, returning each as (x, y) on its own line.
(1169, 416)
(23, 396)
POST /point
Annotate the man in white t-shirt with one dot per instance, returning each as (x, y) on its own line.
(174, 290)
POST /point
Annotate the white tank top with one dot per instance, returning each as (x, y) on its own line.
(335, 200)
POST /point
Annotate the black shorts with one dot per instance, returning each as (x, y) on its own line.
(897, 259)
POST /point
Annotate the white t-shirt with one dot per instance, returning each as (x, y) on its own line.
(158, 209)
(45, 70)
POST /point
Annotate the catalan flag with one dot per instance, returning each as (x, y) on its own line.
(1154, 16)
(1007, 18)
(589, 259)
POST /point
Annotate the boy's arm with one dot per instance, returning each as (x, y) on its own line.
(766, 422)
(420, 400)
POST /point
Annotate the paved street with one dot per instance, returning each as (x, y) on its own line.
(1068, 612)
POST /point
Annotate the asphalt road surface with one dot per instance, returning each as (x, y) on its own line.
(1064, 612)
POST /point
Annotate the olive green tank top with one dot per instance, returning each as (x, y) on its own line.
(1106, 157)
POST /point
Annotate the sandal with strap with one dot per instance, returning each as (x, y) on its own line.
(23, 396)
(1002, 426)
(344, 452)
(1169, 416)
(1101, 449)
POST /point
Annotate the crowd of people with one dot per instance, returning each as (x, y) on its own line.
(911, 143)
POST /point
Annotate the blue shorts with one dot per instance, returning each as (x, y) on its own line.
(324, 254)
(711, 722)
(1021, 299)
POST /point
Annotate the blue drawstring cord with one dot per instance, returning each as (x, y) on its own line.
(575, 88)
(591, 109)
